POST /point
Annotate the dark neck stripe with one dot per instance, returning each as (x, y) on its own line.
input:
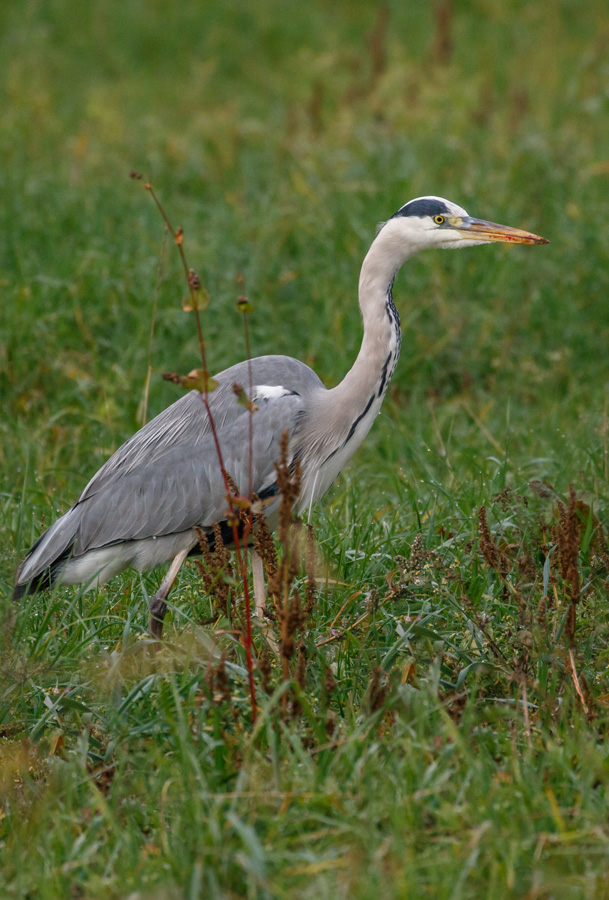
(394, 319)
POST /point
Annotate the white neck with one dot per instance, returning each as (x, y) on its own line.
(341, 418)
(372, 370)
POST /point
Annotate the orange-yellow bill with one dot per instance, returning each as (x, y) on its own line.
(479, 230)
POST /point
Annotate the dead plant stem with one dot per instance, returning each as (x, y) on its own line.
(179, 241)
(152, 325)
(575, 677)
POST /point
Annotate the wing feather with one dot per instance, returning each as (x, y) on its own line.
(168, 492)
(166, 478)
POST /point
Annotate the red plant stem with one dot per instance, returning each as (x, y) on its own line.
(251, 408)
(157, 291)
(177, 236)
(247, 529)
(205, 395)
(242, 563)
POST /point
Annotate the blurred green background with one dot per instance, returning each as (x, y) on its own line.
(278, 135)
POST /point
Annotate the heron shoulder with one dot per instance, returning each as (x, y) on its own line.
(269, 373)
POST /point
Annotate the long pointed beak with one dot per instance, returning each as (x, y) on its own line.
(479, 230)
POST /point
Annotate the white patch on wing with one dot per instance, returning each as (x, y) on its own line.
(269, 392)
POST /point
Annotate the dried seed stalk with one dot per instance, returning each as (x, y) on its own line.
(311, 589)
(494, 557)
(291, 615)
(264, 545)
(216, 570)
(566, 536)
(198, 301)
(378, 689)
(329, 682)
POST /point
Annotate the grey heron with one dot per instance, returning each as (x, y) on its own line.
(142, 506)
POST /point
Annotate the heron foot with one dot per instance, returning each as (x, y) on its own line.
(158, 604)
(158, 608)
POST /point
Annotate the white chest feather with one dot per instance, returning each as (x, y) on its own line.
(317, 478)
(355, 404)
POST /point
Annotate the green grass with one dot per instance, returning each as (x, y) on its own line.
(278, 135)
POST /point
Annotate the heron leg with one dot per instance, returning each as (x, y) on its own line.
(158, 606)
(259, 587)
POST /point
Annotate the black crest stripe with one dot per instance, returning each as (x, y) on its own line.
(426, 206)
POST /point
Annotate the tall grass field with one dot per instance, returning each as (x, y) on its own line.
(440, 730)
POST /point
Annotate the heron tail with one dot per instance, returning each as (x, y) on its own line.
(43, 564)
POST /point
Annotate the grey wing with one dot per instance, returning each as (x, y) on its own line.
(167, 477)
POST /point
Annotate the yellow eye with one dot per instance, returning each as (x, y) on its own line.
(439, 220)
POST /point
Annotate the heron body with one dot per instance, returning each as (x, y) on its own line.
(142, 506)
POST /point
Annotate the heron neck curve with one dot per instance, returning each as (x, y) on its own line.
(370, 374)
(339, 419)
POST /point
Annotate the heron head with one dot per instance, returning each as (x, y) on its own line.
(435, 222)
